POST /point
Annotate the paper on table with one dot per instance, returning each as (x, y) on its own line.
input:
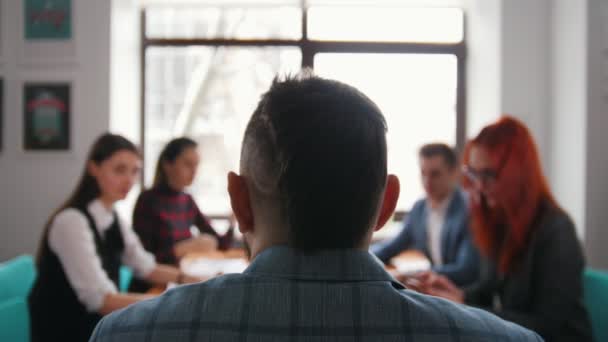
(208, 267)
(171, 285)
(409, 266)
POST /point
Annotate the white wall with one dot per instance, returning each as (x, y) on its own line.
(508, 65)
(569, 107)
(33, 184)
(125, 69)
(525, 68)
(125, 80)
(483, 20)
(596, 210)
(579, 119)
(540, 61)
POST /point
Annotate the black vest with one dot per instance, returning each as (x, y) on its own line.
(56, 313)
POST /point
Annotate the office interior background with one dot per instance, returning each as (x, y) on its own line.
(137, 70)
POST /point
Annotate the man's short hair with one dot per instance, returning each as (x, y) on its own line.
(440, 149)
(318, 147)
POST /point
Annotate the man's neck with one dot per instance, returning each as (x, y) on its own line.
(436, 203)
(257, 248)
(107, 202)
(175, 187)
(260, 244)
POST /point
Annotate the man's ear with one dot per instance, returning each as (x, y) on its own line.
(239, 200)
(389, 202)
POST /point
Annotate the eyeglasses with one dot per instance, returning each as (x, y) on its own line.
(485, 176)
(488, 175)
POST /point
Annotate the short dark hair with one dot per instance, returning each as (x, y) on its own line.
(169, 153)
(440, 149)
(320, 146)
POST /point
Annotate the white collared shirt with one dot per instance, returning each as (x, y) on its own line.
(434, 227)
(70, 238)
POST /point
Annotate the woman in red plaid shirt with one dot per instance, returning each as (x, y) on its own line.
(164, 214)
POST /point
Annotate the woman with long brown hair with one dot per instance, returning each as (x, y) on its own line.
(532, 274)
(83, 245)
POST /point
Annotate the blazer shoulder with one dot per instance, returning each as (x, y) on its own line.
(461, 198)
(147, 198)
(459, 209)
(147, 194)
(418, 206)
(556, 224)
(466, 321)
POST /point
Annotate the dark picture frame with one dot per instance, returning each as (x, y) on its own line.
(46, 116)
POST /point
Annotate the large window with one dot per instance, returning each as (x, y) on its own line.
(205, 67)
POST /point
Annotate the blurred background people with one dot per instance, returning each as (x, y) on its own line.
(533, 262)
(164, 214)
(83, 246)
(438, 225)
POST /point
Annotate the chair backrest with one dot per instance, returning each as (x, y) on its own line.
(17, 277)
(14, 320)
(126, 274)
(16, 280)
(596, 301)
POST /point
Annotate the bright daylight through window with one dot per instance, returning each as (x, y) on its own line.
(206, 66)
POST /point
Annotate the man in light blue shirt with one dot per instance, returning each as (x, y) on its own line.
(313, 188)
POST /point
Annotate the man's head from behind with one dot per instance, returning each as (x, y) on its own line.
(313, 168)
(438, 170)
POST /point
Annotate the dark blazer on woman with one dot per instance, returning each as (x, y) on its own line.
(544, 291)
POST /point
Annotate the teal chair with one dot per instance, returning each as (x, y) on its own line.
(595, 285)
(16, 280)
(17, 277)
(126, 274)
(14, 320)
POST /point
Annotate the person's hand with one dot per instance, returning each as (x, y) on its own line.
(438, 285)
(188, 279)
(203, 243)
(185, 278)
(225, 241)
(403, 278)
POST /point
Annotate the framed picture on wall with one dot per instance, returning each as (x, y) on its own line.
(47, 31)
(47, 19)
(46, 120)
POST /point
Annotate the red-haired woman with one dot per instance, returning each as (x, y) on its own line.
(533, 269)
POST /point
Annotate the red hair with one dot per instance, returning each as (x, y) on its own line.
(502, 233)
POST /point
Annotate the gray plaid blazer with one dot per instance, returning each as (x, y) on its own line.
(284, 295)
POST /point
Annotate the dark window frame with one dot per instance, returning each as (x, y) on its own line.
(309, 49)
